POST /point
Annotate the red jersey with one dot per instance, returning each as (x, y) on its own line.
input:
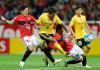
(24, 24)
(66, 44)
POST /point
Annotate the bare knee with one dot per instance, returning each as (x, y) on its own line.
(30, 48)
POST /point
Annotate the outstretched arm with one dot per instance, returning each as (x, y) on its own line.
(87, 26)
(65, 28)
(7, 21)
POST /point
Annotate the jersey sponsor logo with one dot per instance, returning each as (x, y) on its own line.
(79, 43)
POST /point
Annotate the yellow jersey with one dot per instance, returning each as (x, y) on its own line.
(46, 24)
(78, 23)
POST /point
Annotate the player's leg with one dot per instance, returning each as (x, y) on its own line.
(43, 46)
(81, 43)
(46, 61)
(29, 50)
(48, 54)
(58, 47)
(76, 55)
(87, 47)
(45, 50)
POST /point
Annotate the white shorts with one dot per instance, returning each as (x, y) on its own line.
(76, 52)
(31, 40)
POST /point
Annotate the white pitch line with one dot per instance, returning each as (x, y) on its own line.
(59, 68)
(32, 69)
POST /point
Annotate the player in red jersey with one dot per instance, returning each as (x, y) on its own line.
(68, 46)
(24, 20)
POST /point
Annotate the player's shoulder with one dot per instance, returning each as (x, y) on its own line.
(18, 17)
(75, 16)
(83, 16)
(30, 15)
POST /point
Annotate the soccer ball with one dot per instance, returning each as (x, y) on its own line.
(88, 37)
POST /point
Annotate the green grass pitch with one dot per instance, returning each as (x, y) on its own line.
(35, 62)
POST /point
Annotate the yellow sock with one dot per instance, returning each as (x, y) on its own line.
(59, 48)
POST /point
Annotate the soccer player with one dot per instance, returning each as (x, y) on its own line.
(68, 46)
(77, 28)
(24, 20)
(47, 21)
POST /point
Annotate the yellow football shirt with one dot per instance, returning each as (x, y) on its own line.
(78, 23)
(47, 24)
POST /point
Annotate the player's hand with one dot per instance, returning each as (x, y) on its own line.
(3, 18)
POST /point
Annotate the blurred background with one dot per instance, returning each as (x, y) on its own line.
(10, 42)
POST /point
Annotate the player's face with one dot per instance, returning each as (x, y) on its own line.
(79, 11)
(25, 11)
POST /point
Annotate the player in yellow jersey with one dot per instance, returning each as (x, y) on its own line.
(47, 22)
(77, 27)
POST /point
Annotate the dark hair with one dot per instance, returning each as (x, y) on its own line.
(52, 10)
(58, 27)
(23, 7)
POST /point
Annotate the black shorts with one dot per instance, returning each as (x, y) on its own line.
(81, 42)
(46, 35)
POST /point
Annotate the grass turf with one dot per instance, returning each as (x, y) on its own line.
(35, 62)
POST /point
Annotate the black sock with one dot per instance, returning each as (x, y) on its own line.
(48, 54)
(73, 61)
(26, 55)
(84, 61)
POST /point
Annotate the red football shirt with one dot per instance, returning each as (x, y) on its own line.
(24, 24)
(66, 44)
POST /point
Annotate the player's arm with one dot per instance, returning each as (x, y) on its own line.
(70, 27)
(65, 28)
(7, 21)
(87, 26)
(48, 38)
(71, 30)
(58, 20)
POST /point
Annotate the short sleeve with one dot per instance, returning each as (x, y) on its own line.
(15, 19)
(72, 22)
(57, 19)
(33, 18)
(39, 21)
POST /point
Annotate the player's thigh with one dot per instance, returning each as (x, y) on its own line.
(75, 54)
(35, 41)
(78, 50)
(30, 47)
(28, 43)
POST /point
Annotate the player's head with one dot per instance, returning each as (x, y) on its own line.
(52, 12)
(24, 10)
(78, 11)
(59, 29)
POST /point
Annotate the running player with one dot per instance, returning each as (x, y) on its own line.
(24, 20)
(78, 23)
(47, 22)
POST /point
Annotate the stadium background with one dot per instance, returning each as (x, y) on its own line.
(10, 42)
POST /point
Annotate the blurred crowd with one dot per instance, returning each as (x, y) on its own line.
(9, 8)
